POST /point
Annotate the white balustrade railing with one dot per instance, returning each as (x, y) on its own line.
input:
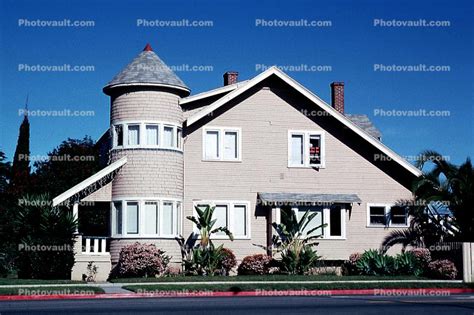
(94, 245)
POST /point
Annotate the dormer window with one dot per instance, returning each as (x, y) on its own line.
(306, 149)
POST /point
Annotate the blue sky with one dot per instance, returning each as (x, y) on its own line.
(351, 46)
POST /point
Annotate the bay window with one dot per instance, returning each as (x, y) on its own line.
(306, 149)
(221, 144)
(147, 135)
(146, 218)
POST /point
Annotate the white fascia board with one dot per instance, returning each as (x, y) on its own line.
(88, 181)
(210, 93)
(315, 99)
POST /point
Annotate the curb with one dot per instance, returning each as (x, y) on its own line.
(269, 293)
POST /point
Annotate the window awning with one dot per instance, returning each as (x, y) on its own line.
(281, 199)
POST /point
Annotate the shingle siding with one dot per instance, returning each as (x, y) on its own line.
(265, 119)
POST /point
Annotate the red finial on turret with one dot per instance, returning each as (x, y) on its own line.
(148, 48)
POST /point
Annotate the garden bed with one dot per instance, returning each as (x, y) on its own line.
(15, 281)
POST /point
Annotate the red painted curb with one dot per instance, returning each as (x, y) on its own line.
(256, 293)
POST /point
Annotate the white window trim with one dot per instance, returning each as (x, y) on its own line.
(230, 217)
(388, 224)
(142, 135)
(177, 219)
(326, 217)
(221, 136)
(306, 138)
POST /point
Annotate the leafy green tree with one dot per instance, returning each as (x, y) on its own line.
(71, 162)
(5, 169)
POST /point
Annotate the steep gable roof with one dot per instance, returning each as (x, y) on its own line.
(274, 71)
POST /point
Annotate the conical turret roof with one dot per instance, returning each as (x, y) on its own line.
(147, 69)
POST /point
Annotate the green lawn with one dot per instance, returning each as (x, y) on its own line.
(14, 281)
(309, 286)
(264, 278)
(50, 290)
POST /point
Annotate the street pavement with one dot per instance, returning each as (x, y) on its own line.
(419, 305)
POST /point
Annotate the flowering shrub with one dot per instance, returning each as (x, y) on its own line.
(142, 260)
(350, 266)
(258, 264)
(228, 261)
(423, 255)
(443, 269)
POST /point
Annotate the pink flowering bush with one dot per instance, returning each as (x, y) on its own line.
(228, 261)
(443, 269)
(142, 260)
(423, 256)
(258, 264)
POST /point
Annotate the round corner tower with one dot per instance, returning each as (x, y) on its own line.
(146, 121)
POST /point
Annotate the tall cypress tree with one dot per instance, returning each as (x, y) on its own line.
(20, 173)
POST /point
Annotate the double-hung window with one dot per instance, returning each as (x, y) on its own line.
(221, 144)
(152, 135)
(386, 215)
(233, 215)
(306, 149)
(133, 132)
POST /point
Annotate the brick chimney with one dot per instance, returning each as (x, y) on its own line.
(337, 96)
(230, 77)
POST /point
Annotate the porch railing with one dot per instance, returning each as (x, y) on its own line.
(94, 245)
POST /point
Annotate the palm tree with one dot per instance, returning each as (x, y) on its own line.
(204, 258)
(444, 183)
